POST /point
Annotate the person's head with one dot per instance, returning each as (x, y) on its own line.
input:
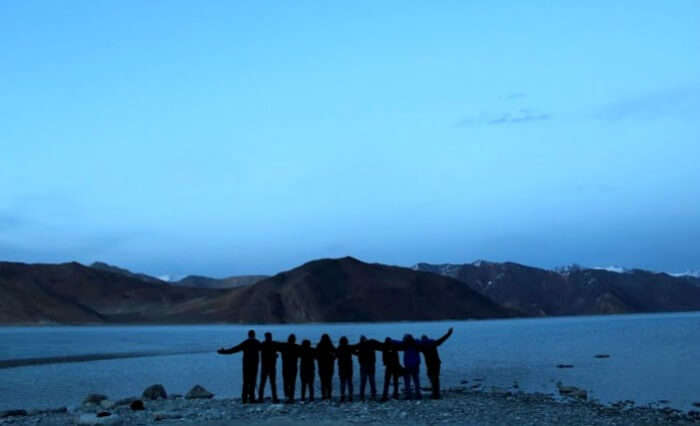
(268, 337)
(363, 339)
(408, 338)
(292, 338)
(306, 343)
(251, 334)
(424, 338)
(343, 341)
(326, 339)
(387, 340)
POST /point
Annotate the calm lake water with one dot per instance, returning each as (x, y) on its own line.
(652, 357)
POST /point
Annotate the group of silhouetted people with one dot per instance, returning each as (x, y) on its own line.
(301, 360)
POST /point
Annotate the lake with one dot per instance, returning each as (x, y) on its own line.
(652, 357)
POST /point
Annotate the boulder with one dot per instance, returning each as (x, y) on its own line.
(94, 398)
(198, 392)
(12, 413)
(573, 392)
(137, 405)
(94, 419)
(155, 392)
(565, 366)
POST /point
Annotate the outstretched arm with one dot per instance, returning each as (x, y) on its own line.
(230, 351)
(441, 340)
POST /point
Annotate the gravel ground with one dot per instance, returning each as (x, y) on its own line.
(457, 407)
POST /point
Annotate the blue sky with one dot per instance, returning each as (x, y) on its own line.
(248, 137)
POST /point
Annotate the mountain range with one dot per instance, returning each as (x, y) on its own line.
(574, 290)
(334, 290)
(196, 281)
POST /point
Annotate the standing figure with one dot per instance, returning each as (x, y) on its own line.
(290, 362)
(268, 361)
(392, 368)
(368, 361)
(411, 362)
(308, 369)
(432, 360)
(345, 353)
(325, 355)
(250, 348)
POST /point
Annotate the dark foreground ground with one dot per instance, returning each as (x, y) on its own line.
(457, 407)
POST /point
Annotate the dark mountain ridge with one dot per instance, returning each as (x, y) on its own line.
(574, 290)
(346, 289)
(324, 290)
(197, 281)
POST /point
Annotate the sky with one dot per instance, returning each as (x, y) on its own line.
(221, 138)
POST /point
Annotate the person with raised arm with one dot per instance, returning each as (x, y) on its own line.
(432, 360)
(250, 348)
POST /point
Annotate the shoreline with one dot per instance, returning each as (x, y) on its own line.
(458, 406)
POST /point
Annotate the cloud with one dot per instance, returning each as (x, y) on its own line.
(677, 103)
(504, 118)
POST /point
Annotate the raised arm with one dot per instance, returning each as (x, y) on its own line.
(441, 340)
(232, 350)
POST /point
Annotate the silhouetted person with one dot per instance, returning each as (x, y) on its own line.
(392, 368)
(345, 352)
(268, 370)
(432, 360)
(368, 361)
(411, 362)
(325, 355)
(290, 361)
(250, 348)
(307, 371)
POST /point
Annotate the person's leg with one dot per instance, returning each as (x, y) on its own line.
(407, 384)
(416, 381)
(436, 388)
(311, 387)
(372, 383)
(273, 385)
(261, 388)
(252, 381)
(387, 380)
(363, 382)
(395, 373)
(342, 388)
(350, 390)
(292, 384)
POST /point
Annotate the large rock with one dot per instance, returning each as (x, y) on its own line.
(93, 420)
(137, 405)
(94, 398)
(155, 392)
(573, 392)
(198, 392)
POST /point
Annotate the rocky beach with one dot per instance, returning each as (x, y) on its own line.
(459, 405)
